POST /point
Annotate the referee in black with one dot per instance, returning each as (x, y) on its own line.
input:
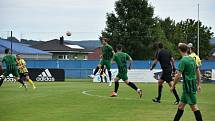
(168, 66)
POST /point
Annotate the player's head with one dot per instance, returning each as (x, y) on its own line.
(183, 48)
(160, 45)
(191, 48)
(18, 56)
(7, 51)
(104, 40)
(119, 47)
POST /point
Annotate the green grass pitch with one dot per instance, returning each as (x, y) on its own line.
(87, 101)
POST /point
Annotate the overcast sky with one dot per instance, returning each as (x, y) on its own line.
(47, 19)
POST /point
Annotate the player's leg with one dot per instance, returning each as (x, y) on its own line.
(180, 111)
(29, 80)
(160, 87)
(197, 112)
(17, 77)
(101, 73)
(192, 101)
(2, 80)
(116, 86)
(5, 74)
(108, 66)
(97, 68)
(175, 93)
(131, 84)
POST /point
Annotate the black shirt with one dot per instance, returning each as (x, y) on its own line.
(164, 57)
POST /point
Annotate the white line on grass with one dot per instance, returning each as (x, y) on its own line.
(87, 92)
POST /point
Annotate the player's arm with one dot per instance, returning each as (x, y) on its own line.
(178, 75)
(176, 79)
(154, 64)
(154, 61)
(173, 64)
(129, 62)
(198, 73)
(113, 60)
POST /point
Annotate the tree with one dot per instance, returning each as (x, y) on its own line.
(190, 28)
(131, 26)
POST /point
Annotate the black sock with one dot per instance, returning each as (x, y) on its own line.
(160, 87)
(1, 81)
(21, 81)
(178, 115)
(110, 75)
(116, 87)
(132, 85)
(101, 78)
(96, 70)
(198, 115)
(175, 94)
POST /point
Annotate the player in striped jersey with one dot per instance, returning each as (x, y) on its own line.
(23, 71)
(11, 68)
(191, 83)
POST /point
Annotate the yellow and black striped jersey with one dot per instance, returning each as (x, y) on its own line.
(22, 66)
(196, 58)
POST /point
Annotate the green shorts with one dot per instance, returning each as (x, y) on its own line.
(14, 72)
(107, 63)
(189, 98)
(122, 76)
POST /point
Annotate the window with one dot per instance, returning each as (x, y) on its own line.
(63, 57)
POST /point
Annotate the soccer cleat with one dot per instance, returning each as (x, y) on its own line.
(114, 94)
(140, 93)
(110, 83)
(34, 87)
(25, 85)
(91, 76)
(176, 102)
(156, 100)
(20, 86)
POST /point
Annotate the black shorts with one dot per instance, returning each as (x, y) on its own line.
(166, 76)
(23, 75)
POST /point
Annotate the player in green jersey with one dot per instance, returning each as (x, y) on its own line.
(121, 59)
(106, 58)
(189, 72)
(11, 68)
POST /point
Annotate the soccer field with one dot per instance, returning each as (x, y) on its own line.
(87, 101)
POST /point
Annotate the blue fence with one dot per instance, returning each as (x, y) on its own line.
(82, 68)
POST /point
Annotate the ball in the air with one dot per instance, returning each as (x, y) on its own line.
(68, 33)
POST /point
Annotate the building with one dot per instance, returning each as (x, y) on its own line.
(26, 52)
(63, 50)
(93, 47)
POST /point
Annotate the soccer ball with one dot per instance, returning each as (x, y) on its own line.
(68, 33)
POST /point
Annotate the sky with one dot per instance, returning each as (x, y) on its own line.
(85, 19)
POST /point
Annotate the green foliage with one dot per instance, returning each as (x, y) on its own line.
(132, 24)
(190, 28)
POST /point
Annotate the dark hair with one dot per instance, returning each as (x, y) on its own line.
(7, 50)
(160, 45)
(119, 47)
(183, 47)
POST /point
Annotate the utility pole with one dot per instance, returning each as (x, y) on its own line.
(11, 42)
(198, 33)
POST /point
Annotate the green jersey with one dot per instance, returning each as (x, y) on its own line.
(10, 61)
(187, 66)
(121, 59)
(107, 52)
